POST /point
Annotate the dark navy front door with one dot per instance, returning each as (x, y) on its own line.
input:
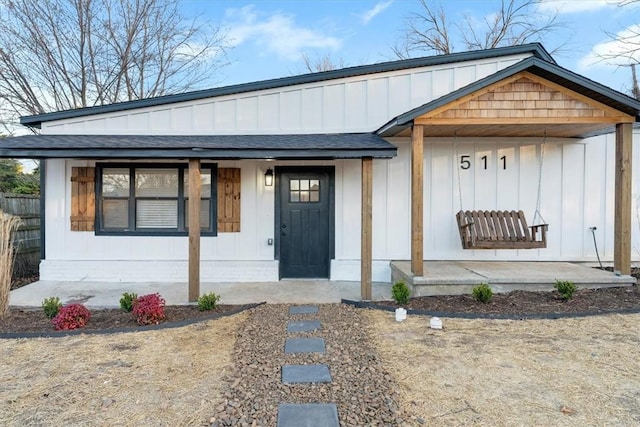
(305, 223)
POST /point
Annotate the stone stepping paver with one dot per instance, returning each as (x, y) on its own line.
(304, 345)
(303, 325)
(308, 415)
(296, 374)
(303, 309)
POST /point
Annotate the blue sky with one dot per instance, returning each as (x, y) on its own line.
(268, 37)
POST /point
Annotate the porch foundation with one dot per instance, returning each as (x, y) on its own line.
(459, 277)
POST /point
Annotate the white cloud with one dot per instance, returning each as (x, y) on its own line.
(574, 6)
(380, 7)
(277, 33)
(615, 52)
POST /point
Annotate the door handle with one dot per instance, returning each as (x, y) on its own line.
(283, 232)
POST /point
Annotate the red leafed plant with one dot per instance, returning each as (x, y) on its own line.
(72, 316)
(148, 309)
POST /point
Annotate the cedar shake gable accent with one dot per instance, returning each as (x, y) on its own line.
(527, 99)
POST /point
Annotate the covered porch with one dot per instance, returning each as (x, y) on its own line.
(277, 150)
(530, 99)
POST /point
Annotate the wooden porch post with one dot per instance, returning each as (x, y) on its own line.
(194, 229)
(622, 210)
(417, 208)
(366, 229)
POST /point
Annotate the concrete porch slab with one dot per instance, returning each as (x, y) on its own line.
(459, 277)
(108, 294)
(308, 415)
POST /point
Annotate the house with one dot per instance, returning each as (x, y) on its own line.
(335, 174)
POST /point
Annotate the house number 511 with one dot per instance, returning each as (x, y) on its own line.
(465, 162)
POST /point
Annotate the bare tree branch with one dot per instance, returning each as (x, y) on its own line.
(63, 54)
(623, 48)
(516, 22)
(426, 31)
(321, 63)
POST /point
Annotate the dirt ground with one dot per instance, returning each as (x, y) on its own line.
(565, 372)
(167, 377)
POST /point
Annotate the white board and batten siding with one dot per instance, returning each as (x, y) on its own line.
(577, 183)
(354, 104)
(577, 193)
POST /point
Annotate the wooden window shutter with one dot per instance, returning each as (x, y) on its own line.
(83, 198)
(228, 200)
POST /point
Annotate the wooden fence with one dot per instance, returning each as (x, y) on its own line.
(27, 238)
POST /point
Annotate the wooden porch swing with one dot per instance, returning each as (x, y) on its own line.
(502, 229)
(499, 230)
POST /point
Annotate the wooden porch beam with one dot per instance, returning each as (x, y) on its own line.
(622, 208)
(417, 208)
(194, 229)
(366, 229)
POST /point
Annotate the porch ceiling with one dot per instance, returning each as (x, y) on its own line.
(569, 130)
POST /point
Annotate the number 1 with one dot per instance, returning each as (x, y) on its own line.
(504, 162)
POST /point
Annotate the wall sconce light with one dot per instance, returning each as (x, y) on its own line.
(268, 177)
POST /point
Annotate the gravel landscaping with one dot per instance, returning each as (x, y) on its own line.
(361, 386)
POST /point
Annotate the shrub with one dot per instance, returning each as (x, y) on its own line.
(51, 306)
(482, 293)
(400, 293)
(208, 301)
(148, 309)
(126, 302)
(566, 289)
(72, 316)
(8, 224)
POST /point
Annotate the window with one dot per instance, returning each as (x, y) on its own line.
(304, 190)
(152, 199)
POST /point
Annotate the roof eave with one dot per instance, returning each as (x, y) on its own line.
(225, 154)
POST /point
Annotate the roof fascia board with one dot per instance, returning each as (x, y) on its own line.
(536, 49)
(105, 153)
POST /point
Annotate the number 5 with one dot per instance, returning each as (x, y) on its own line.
(464, 162)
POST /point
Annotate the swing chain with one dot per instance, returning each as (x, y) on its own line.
(456, 165)
(537, 215)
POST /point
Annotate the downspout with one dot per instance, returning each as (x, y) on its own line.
(43, 173)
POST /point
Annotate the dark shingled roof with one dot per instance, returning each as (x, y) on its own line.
(544, 69)
(535, 49)
(292, 146)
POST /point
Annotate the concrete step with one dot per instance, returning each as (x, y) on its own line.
(305, 374)
(303, 326)
(304, 345)
(308, 415)
(303, 309)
